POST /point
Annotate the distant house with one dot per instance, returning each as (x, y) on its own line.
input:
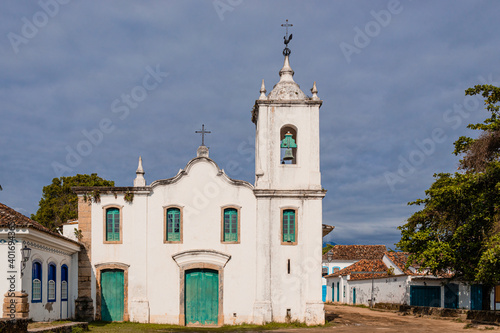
(46, 280)
(341, 256)
(386, 280)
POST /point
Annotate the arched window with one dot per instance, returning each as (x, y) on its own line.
(51, 283)
(230, 226)
(36, 282)
(289, 226)
(64, 283)
(112, 225)
(173, 225)
(288, 144)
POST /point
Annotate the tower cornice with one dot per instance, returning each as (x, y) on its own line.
(268, 193)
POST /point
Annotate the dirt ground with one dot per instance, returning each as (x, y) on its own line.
(356, 319)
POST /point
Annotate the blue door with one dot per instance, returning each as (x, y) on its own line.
(451, 296)
(338, 292)
(353, 295)
(425, 296)
(323, 293)
(476, 297)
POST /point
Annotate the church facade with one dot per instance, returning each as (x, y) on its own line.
(201, 248)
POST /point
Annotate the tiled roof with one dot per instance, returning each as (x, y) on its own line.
(356, 252)
(376, 268)
(363, 269)
(9, 216)
(327, 229)
(399, 259)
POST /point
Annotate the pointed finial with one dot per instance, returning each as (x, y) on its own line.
(286, 73)
(263, 91)
(314, 91)
(139, 179)
(139, 168)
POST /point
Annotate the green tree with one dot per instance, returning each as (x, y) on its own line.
(59, 203)
(327, 248)
(457, 231)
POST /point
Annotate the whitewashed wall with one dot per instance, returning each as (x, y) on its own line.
(153, 274)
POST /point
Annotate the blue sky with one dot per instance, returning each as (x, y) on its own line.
(392, 76)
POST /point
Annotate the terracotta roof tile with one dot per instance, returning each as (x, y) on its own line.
(9, 216)
(356, 252)
(362, 269)
(399, 259)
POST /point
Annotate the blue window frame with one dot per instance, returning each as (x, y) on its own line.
(51, 283)
(36, 282)
(112, 225)
(230, 225)
(64, 283)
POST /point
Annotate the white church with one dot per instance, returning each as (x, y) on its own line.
(201, 248)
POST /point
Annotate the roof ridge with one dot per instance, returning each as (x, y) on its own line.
(9, 215)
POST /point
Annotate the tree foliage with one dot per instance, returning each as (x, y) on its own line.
(328, 247)
(59, 203)
(486, 148)
(457, 231)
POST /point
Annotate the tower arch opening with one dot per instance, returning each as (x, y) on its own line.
(288, 144)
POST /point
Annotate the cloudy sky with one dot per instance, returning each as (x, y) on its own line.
(89, 86)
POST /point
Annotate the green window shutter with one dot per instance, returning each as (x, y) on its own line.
(173, 224)
(112, 224)
(230, 225)
(288, 225)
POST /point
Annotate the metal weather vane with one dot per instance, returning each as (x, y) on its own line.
(287, 39)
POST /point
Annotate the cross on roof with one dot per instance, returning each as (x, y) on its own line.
(203, 132)
(286, 25)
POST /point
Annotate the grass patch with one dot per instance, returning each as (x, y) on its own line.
(41, 324)
(100, 326)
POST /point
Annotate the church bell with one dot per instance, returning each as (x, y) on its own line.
(288, 155)
(288, 143)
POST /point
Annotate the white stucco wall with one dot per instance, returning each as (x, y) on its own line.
(154, 284)
(68, 230)
(306, 173)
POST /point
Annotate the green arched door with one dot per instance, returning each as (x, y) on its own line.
(202, 297)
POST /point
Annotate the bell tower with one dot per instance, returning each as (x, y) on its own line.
(287, 135)
(289, 201)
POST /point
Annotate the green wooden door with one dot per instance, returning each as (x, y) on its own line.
(353, 295)
(202, 297)
(112, 295)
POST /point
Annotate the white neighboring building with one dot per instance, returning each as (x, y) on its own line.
(341, 256)
(203, 249)
(387, 280)
(69, 228)
(50, 274)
